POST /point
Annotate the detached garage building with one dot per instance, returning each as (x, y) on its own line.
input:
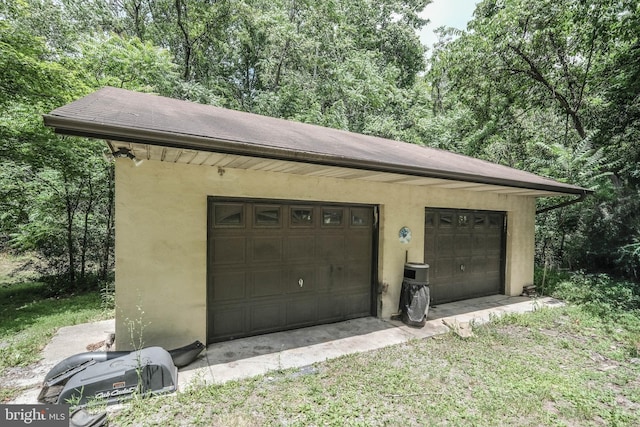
(236, 224)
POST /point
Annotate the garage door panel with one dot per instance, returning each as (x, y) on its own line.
(479, 286)
(266, 282)
(443, 268)
(359, 248)
(493, 242)
(480, 243)
(267, 249)
(456, 291)
(301, 280)
(300, 248)
(478, 264)
(302, 311)
(229, 250)
(493, 263)
(467, 289)
(229, 285)
(492, 277)
(266, 317)
(445, 243)
(229, 322)
(330, 246)
(330, 308)
(330, 276)
(437, 292)
(357, 304)
(463, 245)
(356, 275)
(496, 220)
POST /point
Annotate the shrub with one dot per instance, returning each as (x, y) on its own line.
(546, 280)
(600, 294)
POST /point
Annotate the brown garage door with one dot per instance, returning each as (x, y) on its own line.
(465, 252)
(276, 265)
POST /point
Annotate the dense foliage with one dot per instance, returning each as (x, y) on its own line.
(552, 87)
(601, 295)
(546, 86)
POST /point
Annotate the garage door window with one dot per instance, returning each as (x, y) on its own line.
(267, 216)
(446, 220)
(229, 215)
(495, 221)
(301, 216)
(332, 217)
(360, 217)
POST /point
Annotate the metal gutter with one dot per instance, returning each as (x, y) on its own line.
(580, 198)
(67, 126)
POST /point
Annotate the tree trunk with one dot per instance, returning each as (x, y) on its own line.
(85, 233)
(70, 248)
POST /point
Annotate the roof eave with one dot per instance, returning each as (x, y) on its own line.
(74, 127)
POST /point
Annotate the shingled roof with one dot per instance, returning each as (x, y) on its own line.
(122, 115)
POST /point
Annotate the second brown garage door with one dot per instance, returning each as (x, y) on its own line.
(465, 251)
(276, 265)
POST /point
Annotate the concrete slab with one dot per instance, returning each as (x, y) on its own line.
(70, 340)
(247, 357)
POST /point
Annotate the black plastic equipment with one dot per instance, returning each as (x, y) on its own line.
(56, 379)
(148, 371)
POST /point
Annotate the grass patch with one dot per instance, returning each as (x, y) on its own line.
(552, 367)
(576, 365)
(28, 321)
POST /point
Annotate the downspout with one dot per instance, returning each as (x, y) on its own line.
(563, 204)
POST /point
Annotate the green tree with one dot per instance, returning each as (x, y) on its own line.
(551, 87)
(57, 197)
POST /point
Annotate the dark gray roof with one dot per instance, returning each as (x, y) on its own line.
(122, 115)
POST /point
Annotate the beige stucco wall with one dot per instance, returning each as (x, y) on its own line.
(161, 232)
